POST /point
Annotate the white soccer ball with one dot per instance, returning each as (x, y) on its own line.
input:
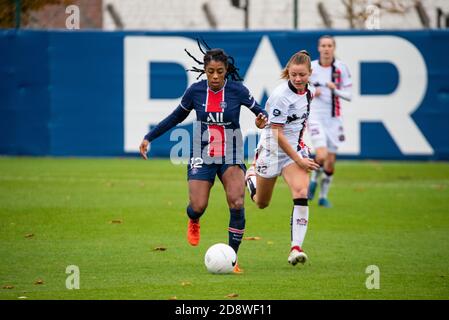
(220, 258)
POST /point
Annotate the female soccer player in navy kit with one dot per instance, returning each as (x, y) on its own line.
(217, 102)
(281, 150)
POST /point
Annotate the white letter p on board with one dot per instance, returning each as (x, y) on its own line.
(393, 110)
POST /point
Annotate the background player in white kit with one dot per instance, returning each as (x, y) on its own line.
(281, 150)
(332, 81)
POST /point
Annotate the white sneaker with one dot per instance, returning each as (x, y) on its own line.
(297, 255)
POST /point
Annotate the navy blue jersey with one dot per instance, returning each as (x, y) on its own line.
(218, 132)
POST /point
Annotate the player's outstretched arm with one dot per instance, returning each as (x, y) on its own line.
(248, 101)
(177, 116)
(344, 93)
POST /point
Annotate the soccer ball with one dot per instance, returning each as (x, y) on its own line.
(220, 258)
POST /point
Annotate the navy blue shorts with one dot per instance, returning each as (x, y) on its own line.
(207, 172)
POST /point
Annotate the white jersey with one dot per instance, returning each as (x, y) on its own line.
(328, 104)
(288, 108)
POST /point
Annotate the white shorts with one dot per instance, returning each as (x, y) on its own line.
(326, 133)
(269, 163)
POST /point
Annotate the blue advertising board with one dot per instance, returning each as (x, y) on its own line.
(86, 93)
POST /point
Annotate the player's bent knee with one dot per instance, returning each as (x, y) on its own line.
(198, 207)
(300, 193)
(262, 204)
(320, 159)
(236, 203)
(329, 168)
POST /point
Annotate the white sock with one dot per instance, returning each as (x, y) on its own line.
(325, 184)
(316, 174)
(299, 221)
(251, 185)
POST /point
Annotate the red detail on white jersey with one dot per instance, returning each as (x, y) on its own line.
(337, 98)
(301, 143)
(217, 137)
(337, 106)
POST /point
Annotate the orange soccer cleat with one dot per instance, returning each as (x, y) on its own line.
(193, 232)
(237, 269)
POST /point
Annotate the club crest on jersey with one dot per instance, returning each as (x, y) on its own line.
(223, 104)
(276, 112)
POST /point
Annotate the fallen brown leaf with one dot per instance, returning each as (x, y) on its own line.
(173, 298)
(252, 238)
(186, 283)
(29, 235)
(159, 249)
(232, 295)
(39, 281)
(117, 221)
(8, 286)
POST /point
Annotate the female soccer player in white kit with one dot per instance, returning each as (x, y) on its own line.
(281, 150)
(332, 81)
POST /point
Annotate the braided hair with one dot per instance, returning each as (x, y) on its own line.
(215, 55)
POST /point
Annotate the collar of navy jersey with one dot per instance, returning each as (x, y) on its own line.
(292, 88)
(208, 88)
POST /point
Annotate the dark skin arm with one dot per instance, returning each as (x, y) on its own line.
(261, 121)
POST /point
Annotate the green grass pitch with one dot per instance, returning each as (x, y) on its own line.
(107, 216)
